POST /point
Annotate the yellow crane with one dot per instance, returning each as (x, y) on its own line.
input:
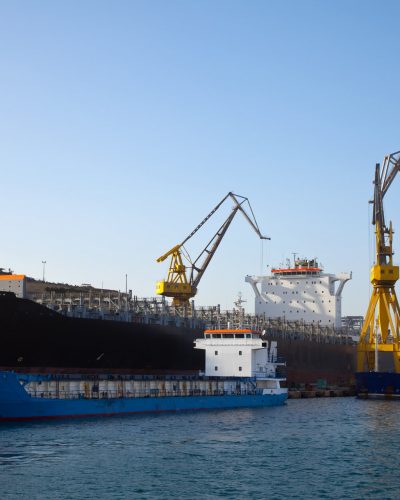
(380, 330)
(182, 286)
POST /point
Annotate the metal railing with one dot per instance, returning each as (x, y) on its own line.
(151, 393)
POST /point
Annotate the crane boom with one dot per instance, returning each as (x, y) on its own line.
(205, 219)
(392, 160)
(254, 224)
(384, 177)
(177, 285)
(219, 235)
(217, 238)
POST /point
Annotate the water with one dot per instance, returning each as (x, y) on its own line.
(317, 448)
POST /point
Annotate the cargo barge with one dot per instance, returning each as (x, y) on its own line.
(240, 372)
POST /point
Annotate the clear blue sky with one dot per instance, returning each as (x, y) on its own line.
(123, 123)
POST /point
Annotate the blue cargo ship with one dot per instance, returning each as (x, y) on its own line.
(240, 371)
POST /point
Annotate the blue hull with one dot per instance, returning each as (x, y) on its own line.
(378, 385)
(17, 405)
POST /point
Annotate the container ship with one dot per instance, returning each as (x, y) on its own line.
(64, 329)
(240, 371)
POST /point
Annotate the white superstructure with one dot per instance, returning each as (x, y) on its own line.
(238, 353)
(300, 293)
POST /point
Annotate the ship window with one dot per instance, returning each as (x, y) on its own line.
(240, 353)
(239, 335)
(216, 368)
(216, 336)
(240, 368)
(216, 353)
(248, 335)
(229, 335)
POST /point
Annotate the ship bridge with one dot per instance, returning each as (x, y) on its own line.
(300, 292)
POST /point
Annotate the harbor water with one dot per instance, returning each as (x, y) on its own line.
(321, 448)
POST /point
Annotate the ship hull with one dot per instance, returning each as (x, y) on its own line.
(17, 405)
(37, 340)
(378, 385)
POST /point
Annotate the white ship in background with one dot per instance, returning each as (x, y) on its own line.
(300, 292)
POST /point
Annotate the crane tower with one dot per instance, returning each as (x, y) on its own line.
(381, 327)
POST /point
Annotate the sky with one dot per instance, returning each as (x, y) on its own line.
(124, 123)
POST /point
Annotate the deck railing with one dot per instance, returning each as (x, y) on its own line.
(151, 393)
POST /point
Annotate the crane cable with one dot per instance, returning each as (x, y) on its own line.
(186, 255)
